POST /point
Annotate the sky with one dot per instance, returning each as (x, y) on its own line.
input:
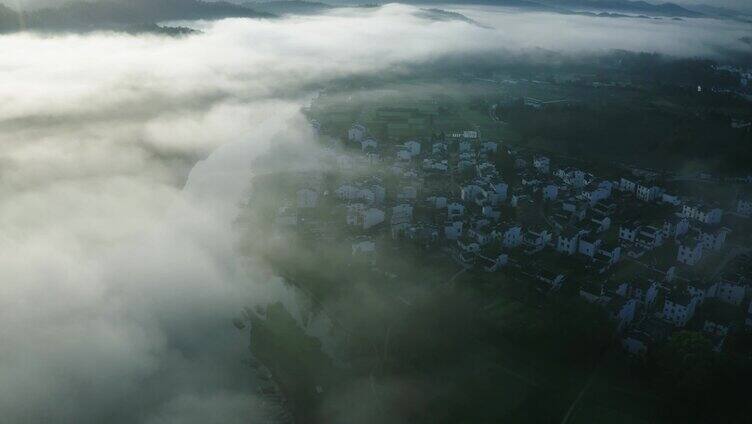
(123, 159)
(742, 5)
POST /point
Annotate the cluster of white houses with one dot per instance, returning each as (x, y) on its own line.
(449, 194)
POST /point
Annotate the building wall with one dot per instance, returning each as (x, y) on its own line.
(689, 254)
(513, 237)
(678, 314)
(566, 245)
(626, 233)
(744, 207)
(730, 293)
(550, 192)
(627, 185)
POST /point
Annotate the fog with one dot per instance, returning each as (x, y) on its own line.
(119, 271)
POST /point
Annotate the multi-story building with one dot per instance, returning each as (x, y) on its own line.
(679, 307)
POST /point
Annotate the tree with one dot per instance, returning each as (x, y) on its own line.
(698, 384)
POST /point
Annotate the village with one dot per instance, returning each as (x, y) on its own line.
(656, 260)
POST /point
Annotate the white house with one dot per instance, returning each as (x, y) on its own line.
(675, 226)
(497, 193)
(413, 147)
(573, 177)
(649, 331)
(491, 212)
(610, 255)
(402, 217)
(607, 185)
(629, 231)
(363, 247)
(626, 185)
(472, 193)
(489, 147)
(360, 216)
(577, 178)
(690, 251)
(649, 237)
(604, 209)
(372, 158)
(554, 279)
(715, 329)
(437, 202)
(671, 199)
(286, 217)
(510, 235)
(453, 230)
(679, 307)
(622, 311)
(648, 194)
(432, 165)
(602, 192)
(465, 164)
(369, 144)
(455, 210)
(479, 235)
(379, 193)
(550, 192)
(542, 164)
(492, 263)
(730, 292)
(344, 162)
(404, 155)
(576, 208)
(347, 192)
(439, 148)
(644, 290)
(316, 127)
(713, 239)
(486, 171)
(470, 135)
(356, 133)
(408, 192)
(744, 207)
(467, 250)
(701, 289)
(700, 213)
(568, 242)
(602, 224)
(588, 246)
(537, 239)
(427, 234)
(307, 198)
(617, 287)
(635, 343)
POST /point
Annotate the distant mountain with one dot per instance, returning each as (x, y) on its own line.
(721, 12)
(120, 14)
(285, 7)
(591, 7)
(628, 6)
(597, 8)
(9, 19)
(444, 16)
(521, 4)
(601, 8)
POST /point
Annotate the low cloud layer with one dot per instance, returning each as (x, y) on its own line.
(117, 256)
